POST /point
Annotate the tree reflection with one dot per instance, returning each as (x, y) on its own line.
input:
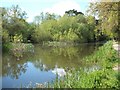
(38, 64)
(13, 68)
(68, 56)
(46, 58)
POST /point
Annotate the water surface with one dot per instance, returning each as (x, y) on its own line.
(41, 65)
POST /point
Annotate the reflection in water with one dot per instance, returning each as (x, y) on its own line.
(13, 68)
(60, 71)
(41, 67)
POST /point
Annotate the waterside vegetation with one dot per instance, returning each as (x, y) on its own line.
(73, 28)
(104, 76)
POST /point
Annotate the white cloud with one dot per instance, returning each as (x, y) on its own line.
(58, 8)
(31, 15)
(62, 6)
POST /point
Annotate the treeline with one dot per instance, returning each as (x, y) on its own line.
(73, 26)
(14, 25)
(68, 28)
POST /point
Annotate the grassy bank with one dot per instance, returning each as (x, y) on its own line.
(105, 77)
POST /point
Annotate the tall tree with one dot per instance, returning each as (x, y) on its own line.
(107, 12)
(73, 12)
(14, 21)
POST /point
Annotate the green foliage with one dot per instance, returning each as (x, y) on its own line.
(97, 79)
(14, 22)
(19, 49)
(81, 32)
(105, 56)
(66, 28)
(6, 47)
(73, 12)
(72, 27)
(41, 34)
(71, 36)
(5, 36)
(18, 38)
(43, 17)
(107, 13)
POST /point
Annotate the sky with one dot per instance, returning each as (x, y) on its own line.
(35, 7)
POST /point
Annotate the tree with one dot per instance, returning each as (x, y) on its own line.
(14, 21)
(73, 12)
(107, 12)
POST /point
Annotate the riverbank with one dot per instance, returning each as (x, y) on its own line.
(66, 43)
(99, 71)
(104, 77)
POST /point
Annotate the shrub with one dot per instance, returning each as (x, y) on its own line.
(104, 78)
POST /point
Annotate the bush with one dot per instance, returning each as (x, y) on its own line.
(41, 35)
(19, 49)
(105, 56)
(104, 78)
(17, 38)
(5, 37)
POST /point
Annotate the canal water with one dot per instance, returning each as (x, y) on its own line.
(42, 65)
